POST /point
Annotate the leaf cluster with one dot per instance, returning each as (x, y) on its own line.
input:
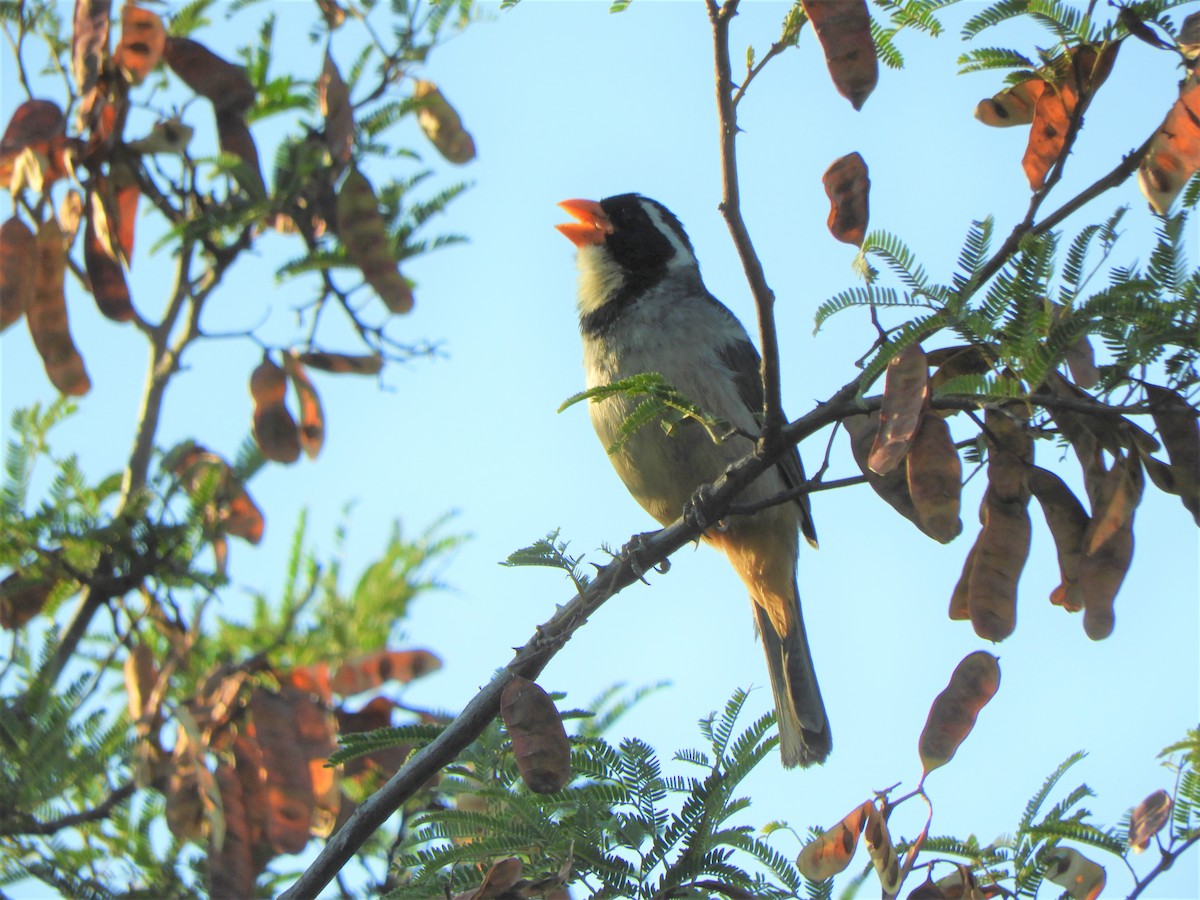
(656, 401)
(1038, 307)
(622, 828)
(1020, 864)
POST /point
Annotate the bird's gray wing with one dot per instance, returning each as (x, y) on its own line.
(746, 365)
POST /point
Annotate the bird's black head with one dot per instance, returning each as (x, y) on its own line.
(628, 245)
(646, 236)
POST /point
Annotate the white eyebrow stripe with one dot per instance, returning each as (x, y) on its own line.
(683, 255)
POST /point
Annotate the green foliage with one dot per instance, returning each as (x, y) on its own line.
(189, 17)
(1144, 316)
(1018, 863)
(551, 553)
(68, 756)
(918, 15)
(984, 59)
(622, 828)
(662, 403)
(57, 748)
(315, 619)
(1064, 20)
(361, 743)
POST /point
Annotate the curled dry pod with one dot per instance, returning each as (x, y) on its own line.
(1083, 879)
(37, 127)
(1100, 577)
(906, 387)
(312, 416)
(441, 124)
(960, 599)
(1174, 154)
(222, 83)
(999, 556)
(109, 288)
(22, 598)
(952, 715)
(1003, 545)
(1055, 107)
(141, 675)
(844, 29)
(234, 138)
(89, 44)
(363, 233)
(70, 214)
(951, 363)
(1109, 543)
(333, 102)
(17, 277)
(504, 875)
(540, 746)
(883, 854)
(231, 509)
(827, 855)
(892, 487)
(342, 363)
(1012, 106)
(1068, 524)
(143, 37)
(1180, 433)
(1148, 819)
(1118, 494)
(47, 315)
(848, 187)
(935, 478)
(274, 428)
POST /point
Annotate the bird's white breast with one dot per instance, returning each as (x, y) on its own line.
(676, 334)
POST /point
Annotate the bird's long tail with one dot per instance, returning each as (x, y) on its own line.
(763, 552)
(804, 738)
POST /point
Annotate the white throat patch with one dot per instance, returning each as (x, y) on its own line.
(599, 276)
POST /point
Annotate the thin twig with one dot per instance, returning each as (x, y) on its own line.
(1165, 862)
(101, 811)
(764, 298)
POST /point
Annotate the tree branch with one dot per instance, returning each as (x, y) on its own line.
(547, 640)
(1119, 174)
(764, 297)
(1165, 862)
(73, 820)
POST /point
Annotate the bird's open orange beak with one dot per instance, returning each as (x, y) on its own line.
(592, 227)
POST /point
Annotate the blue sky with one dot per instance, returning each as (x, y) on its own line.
(566, 100)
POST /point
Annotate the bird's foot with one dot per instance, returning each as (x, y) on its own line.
(632, 553)
(694, 510)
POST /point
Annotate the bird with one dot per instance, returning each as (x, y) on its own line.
(643, 308)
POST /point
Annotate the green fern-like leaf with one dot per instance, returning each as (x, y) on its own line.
(913, 331)
(361, 743)
(994, 15)
(919, 15)
(1065, 20)
(189, 17)
(974, 253)
(885, 46)
(986, 59)
(1034, 805)
(898, 257)
(865, 296)
(551, 553)
(661, 402)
